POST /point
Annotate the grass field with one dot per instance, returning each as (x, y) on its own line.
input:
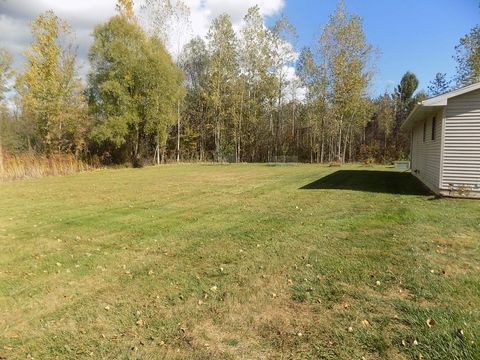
(237, 262)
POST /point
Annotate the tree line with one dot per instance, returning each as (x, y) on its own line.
(236, 96)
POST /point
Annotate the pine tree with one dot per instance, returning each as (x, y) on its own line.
(438, 86)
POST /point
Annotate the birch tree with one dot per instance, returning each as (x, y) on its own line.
(133, 87)
(222, 45)
(282, 36)
(347, 58)
(467, 56)
(169, 20)
(255, 63)
(49, 89)
(314, 82)
(6, 73)
(195, 62)
(384, 112)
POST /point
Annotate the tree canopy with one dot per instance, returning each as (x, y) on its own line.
(133, 86)
(241, 94)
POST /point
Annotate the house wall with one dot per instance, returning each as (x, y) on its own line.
(426, 155)
(461, 154)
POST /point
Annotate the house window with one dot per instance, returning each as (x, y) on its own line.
(434, 127)
(424, 131)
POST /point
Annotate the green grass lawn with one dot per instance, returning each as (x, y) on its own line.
(237, 262)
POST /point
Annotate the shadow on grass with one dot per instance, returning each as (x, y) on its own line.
(387, 182)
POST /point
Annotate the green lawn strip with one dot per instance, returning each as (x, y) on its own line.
(198, 261)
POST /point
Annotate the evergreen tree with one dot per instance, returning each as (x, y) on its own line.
(440, 85)
(404, 102)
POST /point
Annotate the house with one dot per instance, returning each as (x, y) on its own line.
(445, 142)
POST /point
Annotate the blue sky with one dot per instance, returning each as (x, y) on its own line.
(419, 36)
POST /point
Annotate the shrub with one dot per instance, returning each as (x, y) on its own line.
(32, 165)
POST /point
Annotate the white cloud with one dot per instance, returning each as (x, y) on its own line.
(238, 8)
(294, 89)
(204, 11)
(16, 15)
(83, 16)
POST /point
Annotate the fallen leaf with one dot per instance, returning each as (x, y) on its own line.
(431, 323)
(140, 323)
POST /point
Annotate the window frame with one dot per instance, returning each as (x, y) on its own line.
(434, 127)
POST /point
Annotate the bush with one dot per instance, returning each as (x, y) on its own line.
(31, 165)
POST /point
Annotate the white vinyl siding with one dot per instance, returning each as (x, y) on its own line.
(461, 156)
(426, 155)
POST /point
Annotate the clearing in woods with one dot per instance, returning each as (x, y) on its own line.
(237, 262)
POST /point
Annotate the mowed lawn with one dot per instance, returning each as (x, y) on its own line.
(237, 262)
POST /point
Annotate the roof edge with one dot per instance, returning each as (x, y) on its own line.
(441, 100)
(436, 102)
(408, 121)
(418, 112)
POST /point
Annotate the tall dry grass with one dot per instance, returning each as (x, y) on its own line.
(31, 165)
